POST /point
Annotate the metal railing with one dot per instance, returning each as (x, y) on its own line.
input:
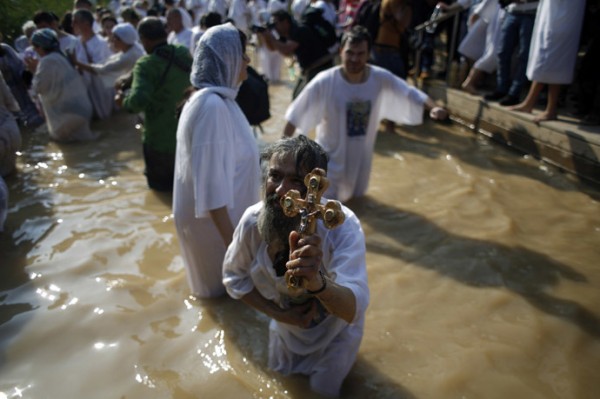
(420, 29)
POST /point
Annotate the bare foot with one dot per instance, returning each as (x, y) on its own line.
(545, 116)
(522, 107)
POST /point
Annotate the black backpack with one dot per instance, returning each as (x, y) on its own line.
(253, 98)
(367, 15)
(313, 18)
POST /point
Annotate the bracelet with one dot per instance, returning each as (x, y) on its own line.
(320, 289)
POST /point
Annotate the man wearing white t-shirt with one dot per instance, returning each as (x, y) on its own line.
(346, 104)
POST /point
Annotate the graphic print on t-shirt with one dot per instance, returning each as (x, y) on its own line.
(357, 114)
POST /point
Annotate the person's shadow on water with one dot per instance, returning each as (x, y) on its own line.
(477, 263)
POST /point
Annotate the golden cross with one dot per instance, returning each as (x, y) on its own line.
(310, 209)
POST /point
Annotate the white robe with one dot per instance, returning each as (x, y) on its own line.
(326, 351)
(217, 165)
(270, 60)
(183, 38)
(218, 6)
(64, 98)
(69, 44)
(473, 44)
(240, 14)
(492, 14)
(555, 41)
(97, 51)
(347, 116)
(118, 65)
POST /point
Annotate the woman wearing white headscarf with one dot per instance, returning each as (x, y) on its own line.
(61, 90)
(217, 174)
(125, 41)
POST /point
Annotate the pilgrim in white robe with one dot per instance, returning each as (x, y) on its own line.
(96, 51)
(118, 65)
(347, 116)
(216, 161)
(555, 41)
(64, 98)
(216, 165)
(326, 351)
(492, 14)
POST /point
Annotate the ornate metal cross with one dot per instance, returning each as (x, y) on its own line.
(310, 209)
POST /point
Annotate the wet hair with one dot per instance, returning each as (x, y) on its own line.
(152, 28)
(307, 153)
(357, 34)
(84, 15)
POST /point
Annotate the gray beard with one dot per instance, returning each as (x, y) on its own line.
(273, 226)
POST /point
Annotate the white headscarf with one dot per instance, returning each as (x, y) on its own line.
(186, 18)
(218, 59)
(126, 32)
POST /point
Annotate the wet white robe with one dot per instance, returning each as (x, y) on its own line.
(555, 41)
(118, 65)
(217, 164)
(64, 98)
(97, 51)
(327, 351)
(347, 116)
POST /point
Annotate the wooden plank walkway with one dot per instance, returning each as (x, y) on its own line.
(565, 142)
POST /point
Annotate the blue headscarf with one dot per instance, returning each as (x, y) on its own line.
(46, 39)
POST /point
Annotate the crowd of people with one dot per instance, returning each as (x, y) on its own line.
(528, 45)
(180, 65)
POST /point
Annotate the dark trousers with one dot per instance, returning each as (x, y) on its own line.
(160, 169)
(515, 32)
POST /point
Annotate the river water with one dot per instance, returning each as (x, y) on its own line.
(484, 270)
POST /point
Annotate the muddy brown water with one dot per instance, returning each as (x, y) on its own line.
(484, 270)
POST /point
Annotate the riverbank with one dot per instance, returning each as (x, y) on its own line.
(565, 143)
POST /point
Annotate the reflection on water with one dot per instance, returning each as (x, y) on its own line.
(483, 268)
